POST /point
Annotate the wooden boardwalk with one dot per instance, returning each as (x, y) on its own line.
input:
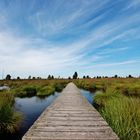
(71, 117)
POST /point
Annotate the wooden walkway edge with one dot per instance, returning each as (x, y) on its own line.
(70, 117)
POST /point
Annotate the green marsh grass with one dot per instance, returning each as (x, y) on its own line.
(118, 100)
(9, 119)
(121, 112)
(46, 91)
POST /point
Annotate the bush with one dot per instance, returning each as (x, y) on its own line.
(27, 91)
(30, 91)
(59, 87)
(46, 91)
(92, 87)
(101, 98)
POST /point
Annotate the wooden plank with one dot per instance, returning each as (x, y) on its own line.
(72, 128)
(70, 116)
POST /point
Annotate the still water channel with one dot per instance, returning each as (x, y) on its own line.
(31, 108)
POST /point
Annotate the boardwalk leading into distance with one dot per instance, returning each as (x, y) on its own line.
(71, 117)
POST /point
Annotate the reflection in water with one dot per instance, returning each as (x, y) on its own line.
(88, 95)
(31, 108)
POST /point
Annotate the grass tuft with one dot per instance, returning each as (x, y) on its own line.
(121, 112)
(9, 120)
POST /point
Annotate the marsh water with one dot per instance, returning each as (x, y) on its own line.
(31, 108)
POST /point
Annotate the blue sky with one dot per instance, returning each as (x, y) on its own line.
(92, 37)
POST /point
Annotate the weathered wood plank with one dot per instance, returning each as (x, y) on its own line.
(70, 116)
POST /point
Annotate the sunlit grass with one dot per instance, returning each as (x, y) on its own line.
(47, 90)
(117, 99)
(121, 112)
(9, 120)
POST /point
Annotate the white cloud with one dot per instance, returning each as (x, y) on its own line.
(17, 56)
(37, 55)
(62, 16)
(112, 50)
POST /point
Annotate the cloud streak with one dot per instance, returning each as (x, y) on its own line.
(63, 37)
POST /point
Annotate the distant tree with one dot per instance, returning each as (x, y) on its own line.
(49, 77)
(18, 78)
(84, 77)
(8, 77)
(33, 78)
(52, 77)
(38, 77)
(69, 77)
(116, 76)
(87, 77)
(130, 76)
(29, 77)
(75, 75)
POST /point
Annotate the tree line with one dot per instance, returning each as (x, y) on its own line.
(74, 76)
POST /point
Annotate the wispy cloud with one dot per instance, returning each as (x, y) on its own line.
(61, 37)
(118, 63)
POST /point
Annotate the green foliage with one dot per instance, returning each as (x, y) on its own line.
(46, 91)
(121, 112)
(8, 77)
(30, 91)
(59, 87)
(129, 90)
(101, 98)
(29, 88)
(25, 91)
(118, 100)
(9, 120)
(123, 116)
(75, 75)
(125, 86)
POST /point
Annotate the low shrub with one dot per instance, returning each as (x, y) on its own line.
(27, 91)
(46, 91)
(30, 91)
(59, 87)
(92, 87)
(101, 98)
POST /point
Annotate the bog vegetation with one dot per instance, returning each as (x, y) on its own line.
(117, 99)
(9, 119)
